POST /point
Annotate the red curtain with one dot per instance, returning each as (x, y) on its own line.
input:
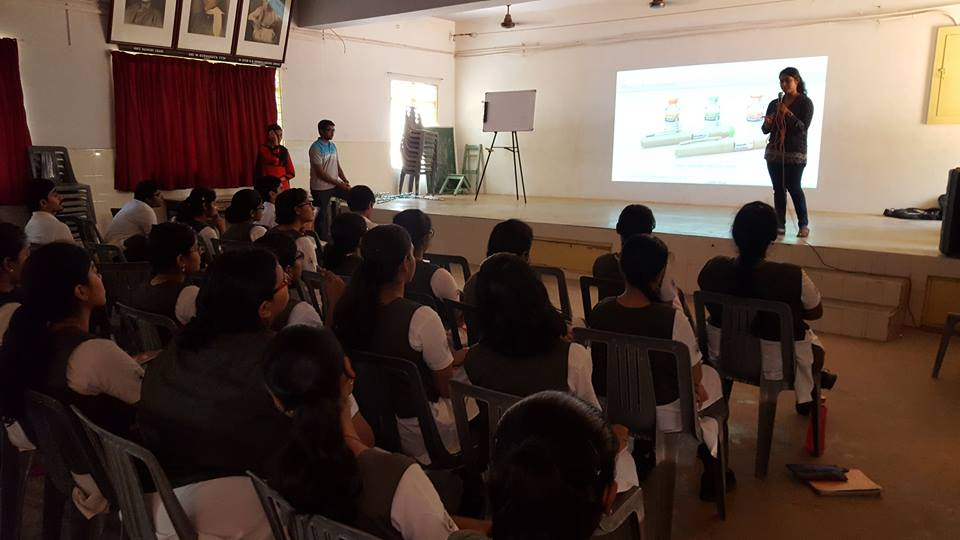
(187, 123)
(14, 134)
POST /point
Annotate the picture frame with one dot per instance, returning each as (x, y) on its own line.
(143, 22)
(207, 26)
(263, 29)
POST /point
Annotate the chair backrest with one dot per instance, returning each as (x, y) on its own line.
(561, 279)
(626, 520)
(120, 458)
(316, 289)
(121, 279)
(383, 383)
(53, 163)
(740, 356)
(105, 253)
(280, 514)
(472, 159)
(631, 398)
(143, 331)
(588, 284)
(449, 313)
(228, 245)
(84, 230)
(497, 404)
(60, 440)
(447, 262)
(316, 241)
(321, 528)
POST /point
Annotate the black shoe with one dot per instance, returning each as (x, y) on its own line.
(827, 380)
(804, 409)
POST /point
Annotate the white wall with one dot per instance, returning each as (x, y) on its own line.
(68, 88)
(877, 151)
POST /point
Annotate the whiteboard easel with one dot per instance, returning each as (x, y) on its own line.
(508, 111)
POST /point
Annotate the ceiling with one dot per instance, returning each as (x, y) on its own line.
(537, 7)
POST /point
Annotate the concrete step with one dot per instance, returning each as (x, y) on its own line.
(870, 321)
(860, 305)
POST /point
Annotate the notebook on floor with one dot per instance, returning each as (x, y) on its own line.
(857, 484)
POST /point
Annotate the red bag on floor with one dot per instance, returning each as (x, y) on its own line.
(823, 431)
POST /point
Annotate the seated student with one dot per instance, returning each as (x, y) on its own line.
(13, 254)
(360, 200)
(552, 472)
(523, 349)
(245, 210)
(751, 275)
(510, 236)
(325, 469)
(373, 316)
(268, 187)
(48, 345)
(295, 214)
(342, 255)
(297, 311)
(634, 219)
(44, 227)
(200, 213)
(174, 253)
(429, 278)
(137, 216)
(640, 311)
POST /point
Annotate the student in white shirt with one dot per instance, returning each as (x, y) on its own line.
(295, 215)
(137, 216)
(360, 200)
(430, 279)
(245, 210)
(43, 227)
(200, 213)
(174, 254)
(298, 310)
(373, 316)
(326, 469)
(268, 187)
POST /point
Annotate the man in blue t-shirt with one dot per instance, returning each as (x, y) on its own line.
(326, 177)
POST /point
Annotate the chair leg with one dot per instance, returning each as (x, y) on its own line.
(944, 342)
(816, 418)
(768, 413)
(720, 478)
(16, 465)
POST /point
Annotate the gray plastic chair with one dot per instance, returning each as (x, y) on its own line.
(316, 289)
(382, 383)
(497, 404)
(142, 331)
(589, 283)
(120, 457)
(631, 402)
(740, 360)
(121, 279)
(105, 253)
(84, 230)
(627, 519)
(14, 467)
(561, 279)
(449, 313)
(63, 448)
(447, 262)
(287, 525)
(949, 330)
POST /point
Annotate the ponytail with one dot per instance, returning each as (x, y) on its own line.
(754, 229)
(642, 259)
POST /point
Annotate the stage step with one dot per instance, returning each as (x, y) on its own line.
(860, 305)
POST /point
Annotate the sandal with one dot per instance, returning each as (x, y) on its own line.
(803, 232)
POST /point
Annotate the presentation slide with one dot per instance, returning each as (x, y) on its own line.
(701, 124)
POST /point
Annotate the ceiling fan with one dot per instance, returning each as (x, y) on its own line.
(507, 20)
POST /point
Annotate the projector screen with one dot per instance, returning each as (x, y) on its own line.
(701, 124)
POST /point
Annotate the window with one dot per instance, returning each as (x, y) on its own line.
(403, 95)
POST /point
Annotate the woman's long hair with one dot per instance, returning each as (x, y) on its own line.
(287, 203)
(12, 241)
(346, 232)
(642, 259)
(193, 206)
(167, 241)
(417, 224)
(754, 229)
(383, 250)
(50, 276)
(552, 461)
(238, 281)
(242, 205)
(795, 73)
(514, 311)
(317, 472)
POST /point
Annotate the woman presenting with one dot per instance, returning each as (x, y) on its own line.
(787, 120)
(273, 159)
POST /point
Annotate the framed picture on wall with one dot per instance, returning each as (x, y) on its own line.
(143, 22)
(207, 25)
(264, 26)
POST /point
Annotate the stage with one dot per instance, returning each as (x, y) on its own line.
(869, 267)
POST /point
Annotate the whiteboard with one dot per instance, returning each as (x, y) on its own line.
(509, 111)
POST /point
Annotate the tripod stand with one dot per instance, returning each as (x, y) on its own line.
(514, 149)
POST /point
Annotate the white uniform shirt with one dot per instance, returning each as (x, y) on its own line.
(44, 228)
(135, 217)
(269, 219)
